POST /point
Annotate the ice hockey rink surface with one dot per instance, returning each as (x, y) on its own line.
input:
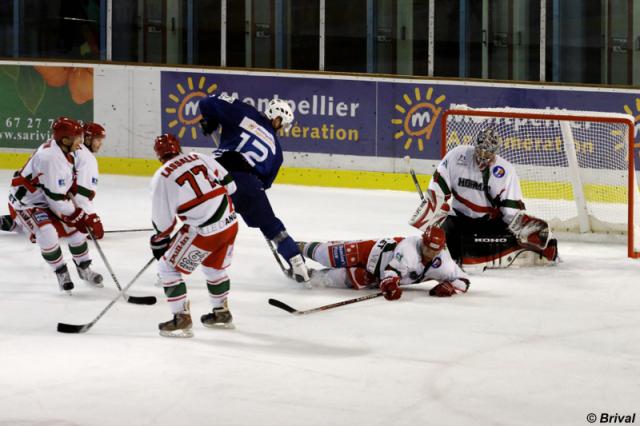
(527, 346)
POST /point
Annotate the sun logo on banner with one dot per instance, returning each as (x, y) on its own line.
(184, 114)
(636, 116)
(419, 116)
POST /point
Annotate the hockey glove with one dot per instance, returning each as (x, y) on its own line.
(530, 231)
(95, 224)
(159, 246)
(432, 210)
(390, 288)
(77, 219)
(448, 289)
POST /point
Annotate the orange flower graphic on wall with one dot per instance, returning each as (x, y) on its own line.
(79, 80)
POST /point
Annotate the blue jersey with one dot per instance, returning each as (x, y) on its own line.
(247, 131)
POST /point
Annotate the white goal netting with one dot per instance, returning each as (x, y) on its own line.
(575, 167)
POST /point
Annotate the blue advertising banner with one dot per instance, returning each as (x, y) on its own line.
(366, 117)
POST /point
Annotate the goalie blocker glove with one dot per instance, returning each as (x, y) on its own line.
(432, 210)
(530, 231)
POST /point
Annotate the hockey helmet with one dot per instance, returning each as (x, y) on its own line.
(65, 127)
(94, 130)
(166, 147)
(487, 145)
(434, 238)
(280, 108)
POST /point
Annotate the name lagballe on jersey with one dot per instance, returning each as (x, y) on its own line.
(477, 193)
(45, 181)
(195, 188)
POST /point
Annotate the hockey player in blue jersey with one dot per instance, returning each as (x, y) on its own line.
(250, 151)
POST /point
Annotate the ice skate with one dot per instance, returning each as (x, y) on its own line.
(64, 279)
(179, 326)
(89, 276)
(218, 318)
(299, 270)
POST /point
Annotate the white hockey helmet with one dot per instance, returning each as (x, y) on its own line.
(280, 108)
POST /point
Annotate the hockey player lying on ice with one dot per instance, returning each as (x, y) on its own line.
(387, 263)
(475, 196)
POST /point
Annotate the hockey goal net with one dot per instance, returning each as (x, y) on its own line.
(576, 168)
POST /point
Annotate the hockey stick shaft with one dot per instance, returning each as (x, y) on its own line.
(285, 270)
(116, 231)
(284, 306)
(412, 172)
(143, 300)
(71, 328)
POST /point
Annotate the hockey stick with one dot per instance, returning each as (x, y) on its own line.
(407, 160)
(74, 329)
(285, 270)
(284, 306)
(114, 231)
(137, 300)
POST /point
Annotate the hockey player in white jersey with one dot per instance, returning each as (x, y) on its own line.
(196, 189)
(475, 195)
(87, 173)
(41, 195)
(86, 182)
(387, 264)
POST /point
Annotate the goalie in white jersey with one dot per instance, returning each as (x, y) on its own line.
(40, 198)
(486, 219)
(387, 264)
(196, 189)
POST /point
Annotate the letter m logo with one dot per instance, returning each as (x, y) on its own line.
(191, 109)
(420, 119)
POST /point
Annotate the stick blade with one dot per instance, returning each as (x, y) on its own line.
(283, 306)
(71, 328)
(142, 300)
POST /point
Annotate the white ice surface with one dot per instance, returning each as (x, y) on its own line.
(536, 346)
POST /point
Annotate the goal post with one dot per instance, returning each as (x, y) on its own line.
(576, 168)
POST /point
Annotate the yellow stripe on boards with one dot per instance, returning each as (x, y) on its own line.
(349, 179)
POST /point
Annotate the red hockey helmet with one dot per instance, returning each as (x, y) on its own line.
(94, 130)
(65, 127)
(166, 146)
(434, 238)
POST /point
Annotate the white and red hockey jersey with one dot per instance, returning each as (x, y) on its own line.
(86, 178)
(494, 191)
(195, 188)
(407, 263)
(45, 181)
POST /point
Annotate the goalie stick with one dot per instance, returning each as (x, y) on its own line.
(293, 311)
(407, 160)
(136, 300)
(75, 329)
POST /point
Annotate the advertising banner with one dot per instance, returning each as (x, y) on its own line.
(367, 117)
(34, 96)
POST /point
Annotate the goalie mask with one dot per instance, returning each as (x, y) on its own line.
(487, 145)
(280, 108)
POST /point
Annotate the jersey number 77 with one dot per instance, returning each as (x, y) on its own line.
(190, 177)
